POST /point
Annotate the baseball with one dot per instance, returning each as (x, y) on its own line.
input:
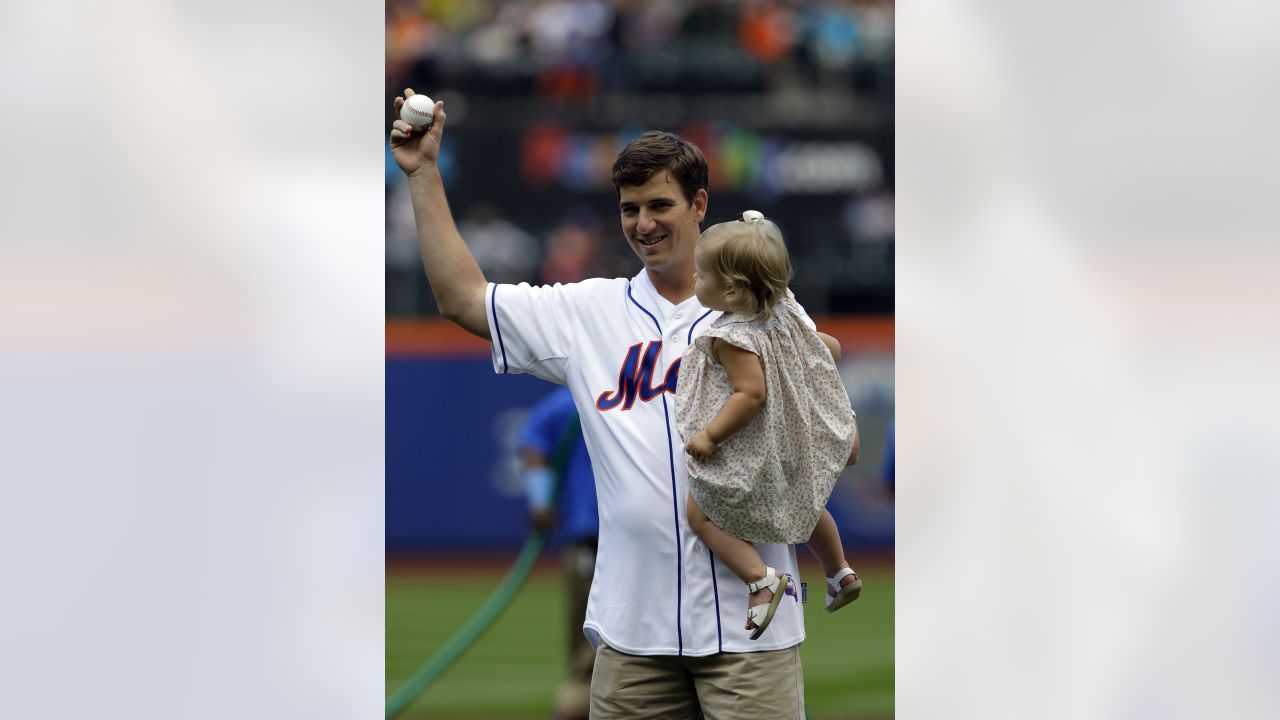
(418, 111)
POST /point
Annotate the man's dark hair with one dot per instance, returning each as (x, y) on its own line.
(657, 150)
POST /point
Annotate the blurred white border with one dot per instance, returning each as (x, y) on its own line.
(1085, 357)
(191, 352)
(191, 360)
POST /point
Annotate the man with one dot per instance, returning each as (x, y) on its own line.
(665, 615)
(551, 442)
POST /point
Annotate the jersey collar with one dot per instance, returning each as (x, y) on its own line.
(642, 289)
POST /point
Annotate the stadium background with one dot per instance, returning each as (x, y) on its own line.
(793, 104)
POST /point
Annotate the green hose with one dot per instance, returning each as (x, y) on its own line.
(475, 627)
(497, 602)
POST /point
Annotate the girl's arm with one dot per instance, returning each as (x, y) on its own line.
(746, 375)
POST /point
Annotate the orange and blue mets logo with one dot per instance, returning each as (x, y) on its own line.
(635, 379)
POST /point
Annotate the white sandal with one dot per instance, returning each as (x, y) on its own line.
(843, 595)
(762, 614)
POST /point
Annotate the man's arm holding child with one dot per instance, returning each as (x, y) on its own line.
(834, 346)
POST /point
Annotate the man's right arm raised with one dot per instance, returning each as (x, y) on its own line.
(456, 280)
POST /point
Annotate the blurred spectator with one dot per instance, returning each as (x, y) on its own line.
(766, 30)
(409, 37)
(645, 25)
(505, 253)
(832, 36)
(456, 14)
(402, 232)
(562, 30)
(551, 442)
(870, 219)
(498, 42)
(572, 251)
(566, 38)
(875, 22)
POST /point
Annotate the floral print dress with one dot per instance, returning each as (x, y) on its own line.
(769, 482)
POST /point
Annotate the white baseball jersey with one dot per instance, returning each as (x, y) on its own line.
(616, 344)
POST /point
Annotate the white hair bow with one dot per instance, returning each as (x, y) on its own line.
(752, 215)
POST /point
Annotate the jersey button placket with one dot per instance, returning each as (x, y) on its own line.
(673, 322)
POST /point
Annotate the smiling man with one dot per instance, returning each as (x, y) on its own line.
(669, 643)
(661, 181)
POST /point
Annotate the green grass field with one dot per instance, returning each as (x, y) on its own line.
(513, 670)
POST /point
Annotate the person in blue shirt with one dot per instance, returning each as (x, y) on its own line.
(552, 428)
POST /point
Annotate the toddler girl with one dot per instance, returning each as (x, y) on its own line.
(765, 417)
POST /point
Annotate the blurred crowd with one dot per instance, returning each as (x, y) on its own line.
(788, 98)
(576, 49)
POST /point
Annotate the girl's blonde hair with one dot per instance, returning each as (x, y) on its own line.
(750, 259)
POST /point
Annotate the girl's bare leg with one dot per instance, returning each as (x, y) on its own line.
(740, 555)
(825, 545)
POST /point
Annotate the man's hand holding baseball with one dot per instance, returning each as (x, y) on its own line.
(416, 150)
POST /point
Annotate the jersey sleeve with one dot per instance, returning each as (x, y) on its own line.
(531, 328)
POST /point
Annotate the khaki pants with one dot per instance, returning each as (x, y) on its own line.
(572, 697)
(726, 686)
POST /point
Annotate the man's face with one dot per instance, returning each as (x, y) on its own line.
(660, 225)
